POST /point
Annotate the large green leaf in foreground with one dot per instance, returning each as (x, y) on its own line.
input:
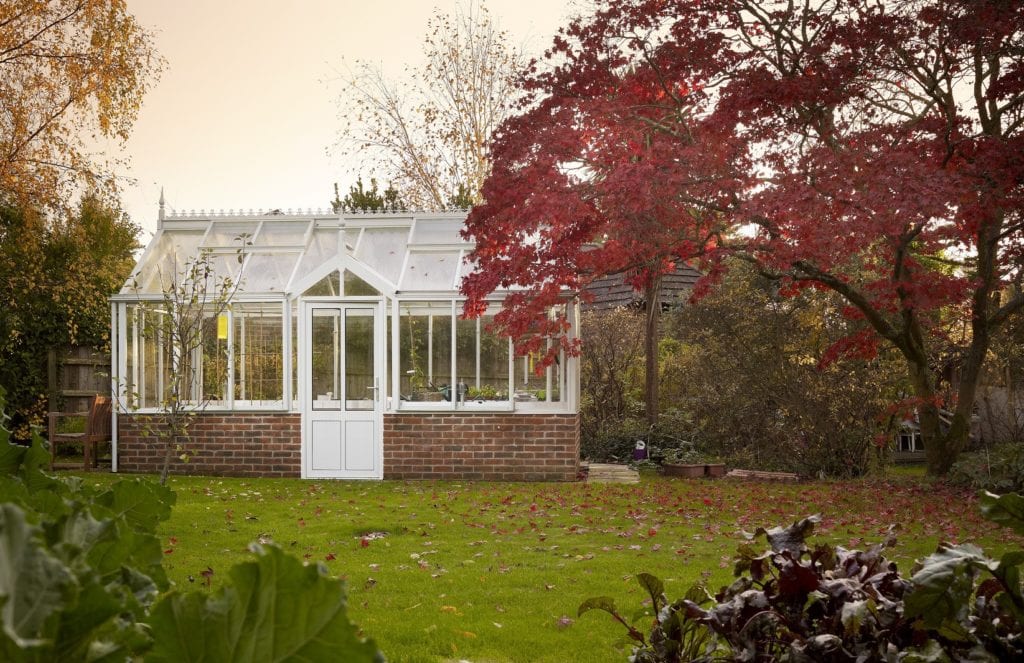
(275, 609)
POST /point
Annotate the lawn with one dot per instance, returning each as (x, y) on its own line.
(495, 572)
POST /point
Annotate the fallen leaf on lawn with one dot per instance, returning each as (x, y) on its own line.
(564, 622)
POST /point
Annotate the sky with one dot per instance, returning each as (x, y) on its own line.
(246, 112)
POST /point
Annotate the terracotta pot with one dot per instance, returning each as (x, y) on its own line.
(688, 471)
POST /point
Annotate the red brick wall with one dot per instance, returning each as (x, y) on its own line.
(482, 446)
(237, 444)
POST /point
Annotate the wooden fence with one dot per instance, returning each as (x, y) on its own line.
(75, 375)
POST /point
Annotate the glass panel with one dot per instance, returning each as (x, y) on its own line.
(268, 272)
(230, 235)
(323, 246)
(390, 354)
(328, 286)
(383, 250)
(528, 385)
(214, 352)
(295, 356)
(357, 287)
(492, 376)
(155, 356)
(224, 266)
(282, 233)
(439, 368)
(258, 354)
(166, 260)
(437, 231)
(465, 267)
(425, 351)
(325, 364)
(359, 378)
(430, 271)
(131, 332)
(465, 353)
(351, 236)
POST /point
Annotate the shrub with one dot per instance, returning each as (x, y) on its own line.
(795, 603)
(1000, 469)
(617, 439)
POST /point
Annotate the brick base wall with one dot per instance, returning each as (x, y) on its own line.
(482, 446)
(238, 444)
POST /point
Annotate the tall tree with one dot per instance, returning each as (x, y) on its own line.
(362, 199)
(864, 146)
(71, 72)
(428, 134)
(55, 278)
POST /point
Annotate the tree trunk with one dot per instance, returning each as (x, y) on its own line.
(941, 448)
(169, 448)
(653, 301)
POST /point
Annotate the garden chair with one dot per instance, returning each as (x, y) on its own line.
(97, 429)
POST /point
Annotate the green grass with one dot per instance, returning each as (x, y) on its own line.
(495, 572)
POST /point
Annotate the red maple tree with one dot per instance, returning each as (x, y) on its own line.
(869, 147)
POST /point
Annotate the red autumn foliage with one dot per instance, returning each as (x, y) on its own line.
(870, 147)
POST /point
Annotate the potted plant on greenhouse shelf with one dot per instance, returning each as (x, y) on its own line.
(485, 393)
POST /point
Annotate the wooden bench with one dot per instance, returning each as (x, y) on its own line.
(97, 429)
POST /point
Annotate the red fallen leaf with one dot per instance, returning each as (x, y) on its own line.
(364, 542)
(169, 551)
(173, 540)
(652, 532)
(207, 575)
(330, 557)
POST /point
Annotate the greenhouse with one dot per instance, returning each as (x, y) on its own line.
(330, 346)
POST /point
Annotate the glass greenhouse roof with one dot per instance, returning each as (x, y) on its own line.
(287, 254)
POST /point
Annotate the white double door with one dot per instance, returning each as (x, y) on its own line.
(342, 361)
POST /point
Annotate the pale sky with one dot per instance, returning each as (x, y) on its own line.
(247, 107)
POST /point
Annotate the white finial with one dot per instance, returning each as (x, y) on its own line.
(160, 214)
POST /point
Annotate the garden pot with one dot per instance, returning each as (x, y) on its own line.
(689, 471)
(714, 470)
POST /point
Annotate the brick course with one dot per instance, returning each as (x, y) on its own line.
(494, 446)
(240, 444)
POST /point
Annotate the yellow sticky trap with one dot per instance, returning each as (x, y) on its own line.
(222, 327)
